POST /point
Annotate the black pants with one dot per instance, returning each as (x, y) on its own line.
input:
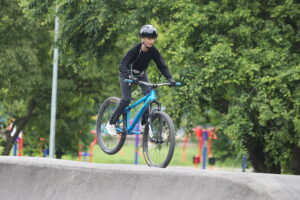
(126, 98)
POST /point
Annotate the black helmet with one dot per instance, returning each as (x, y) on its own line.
(148, 31)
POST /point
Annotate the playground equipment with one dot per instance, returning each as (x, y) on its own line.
(204, 136)
(82, 154)
(18, 146)
(244, 163)
(44, 151)
(137, 141)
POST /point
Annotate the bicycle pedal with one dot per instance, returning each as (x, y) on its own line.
(152, 140)
(160, 141)
(120, 133)
(157, 141)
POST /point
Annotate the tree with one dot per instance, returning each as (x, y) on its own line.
(89, 57)
(20, 64)
(236, 57)
(241, 58)
(84, 81)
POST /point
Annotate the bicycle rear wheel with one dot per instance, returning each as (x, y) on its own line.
(159, 140)
(110, 144)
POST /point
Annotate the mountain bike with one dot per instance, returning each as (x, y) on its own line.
(159, 133)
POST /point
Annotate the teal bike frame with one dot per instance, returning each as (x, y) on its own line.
(147, 99)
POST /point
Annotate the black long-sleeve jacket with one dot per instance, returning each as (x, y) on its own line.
(140, 61)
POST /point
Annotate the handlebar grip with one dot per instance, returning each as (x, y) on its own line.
(178, 84)
(128, 81)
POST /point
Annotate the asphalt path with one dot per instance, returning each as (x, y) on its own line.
(44, 178)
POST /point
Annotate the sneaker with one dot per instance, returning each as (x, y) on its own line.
(111, 128)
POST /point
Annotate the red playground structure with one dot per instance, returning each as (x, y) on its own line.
(90, 153)
(205, 137)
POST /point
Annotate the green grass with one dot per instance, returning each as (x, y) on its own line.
(127, 155)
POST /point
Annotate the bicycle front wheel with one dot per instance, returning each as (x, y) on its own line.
(110, 144)
(159, 140)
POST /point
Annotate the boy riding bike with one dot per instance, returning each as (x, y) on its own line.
(134, 65)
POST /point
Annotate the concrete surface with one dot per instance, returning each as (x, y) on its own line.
(30, 178)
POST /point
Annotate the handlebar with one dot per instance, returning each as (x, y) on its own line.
(177, 84)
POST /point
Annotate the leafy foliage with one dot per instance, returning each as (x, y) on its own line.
(242, 59)
(238, 61)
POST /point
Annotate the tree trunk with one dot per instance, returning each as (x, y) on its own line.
(296, 160)
(10, 140)
(8, 146)
(259, 159)
(20, 124)
(274, 168)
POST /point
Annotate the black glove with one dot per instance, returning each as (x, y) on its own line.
(172, 82)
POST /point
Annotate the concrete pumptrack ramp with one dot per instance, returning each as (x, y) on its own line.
(29, 178)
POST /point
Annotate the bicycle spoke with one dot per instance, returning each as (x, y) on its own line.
(110, 144)
(160, 141)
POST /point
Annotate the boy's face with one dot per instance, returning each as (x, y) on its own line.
(149, 42)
